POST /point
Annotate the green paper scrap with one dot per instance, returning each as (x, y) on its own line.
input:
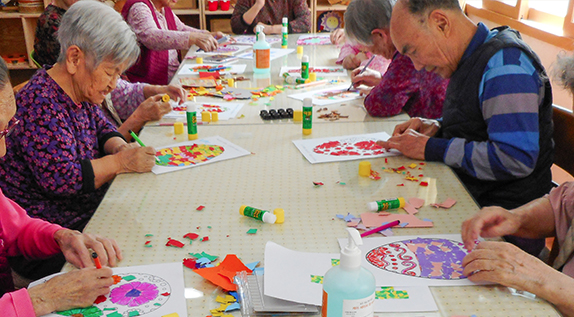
(133, 313)
(252, 231)
(129, 278)
(208, 227)
(335, 262)
(114, 314)
(157, 304)
(113, 308)
(317, 279)
(204, 255)
(91, 311)
(149, 235)
(389, 292)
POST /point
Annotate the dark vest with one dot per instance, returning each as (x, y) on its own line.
(151, 67)
(462, 118)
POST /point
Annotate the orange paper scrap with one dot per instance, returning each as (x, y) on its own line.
(222, 275)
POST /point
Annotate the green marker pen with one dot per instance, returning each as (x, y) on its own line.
(140, 142)
(307, 116)
(191, 121)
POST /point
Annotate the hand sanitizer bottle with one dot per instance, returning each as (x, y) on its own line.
(349, 289)
(261, 55)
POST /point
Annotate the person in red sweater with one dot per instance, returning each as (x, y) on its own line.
(35, 239)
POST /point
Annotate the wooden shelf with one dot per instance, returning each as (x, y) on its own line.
(218, 12)
(21, 66)
(336, 7)
(17, 15)
(187, 11)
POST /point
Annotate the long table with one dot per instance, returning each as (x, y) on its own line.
(276, 175)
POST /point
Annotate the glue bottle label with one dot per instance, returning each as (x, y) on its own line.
(359, 307)
(254, 213)
(307, 118)
(262, 58)
(386, 204)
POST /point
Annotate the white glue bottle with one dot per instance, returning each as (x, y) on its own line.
(349, 289)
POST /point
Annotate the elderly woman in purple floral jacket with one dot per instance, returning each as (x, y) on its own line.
(65, 152)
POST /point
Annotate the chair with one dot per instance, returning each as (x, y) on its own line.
(32, 54)
(563, 152)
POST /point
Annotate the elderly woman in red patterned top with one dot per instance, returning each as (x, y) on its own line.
(269, 13)
(64, 152)
(402, 87)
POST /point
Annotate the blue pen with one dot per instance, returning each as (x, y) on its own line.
(216, 69)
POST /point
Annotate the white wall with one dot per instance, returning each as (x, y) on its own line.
(547, 54)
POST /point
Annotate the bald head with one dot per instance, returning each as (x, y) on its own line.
(423, 7)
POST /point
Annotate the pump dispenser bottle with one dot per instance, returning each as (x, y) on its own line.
(349, 289)
(261, 55)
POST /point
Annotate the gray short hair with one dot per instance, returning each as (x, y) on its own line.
(4, 74)
(420, 7)
(364, 16)
(100, 32)
(563, 71)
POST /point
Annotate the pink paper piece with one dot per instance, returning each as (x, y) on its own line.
(353, 223)
(387, 232)
(449, 202)
(416, 202)
(410, 209)
(374, 220)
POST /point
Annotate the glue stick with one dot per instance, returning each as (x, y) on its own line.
(307, 116)
(305, 67)
(385, 204)
(276, 217)
(284, 32)
(293, 80)
(191, 121)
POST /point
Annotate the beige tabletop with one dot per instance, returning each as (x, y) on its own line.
(319, 55)
(276, 175)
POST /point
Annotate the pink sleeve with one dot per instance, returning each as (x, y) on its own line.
(346, 50)
(562, 201)
(150, 35)
(127, 97)
(379, 63)
(17, 304)
(33, 238)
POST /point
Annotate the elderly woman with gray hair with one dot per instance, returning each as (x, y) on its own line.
(402, 87)
(36, 238)
(64, 152)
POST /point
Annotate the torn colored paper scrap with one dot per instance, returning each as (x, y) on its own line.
(171, 315)
(449, 202)
(200, 208)
(174, 243)
(416, 202)
(410, 209)
(374, 219)
(230, 264)
(252, 231)
(389, 292)
(410, 220)
(191, 236)
(317, 279)
(189, 263)
(335, 262)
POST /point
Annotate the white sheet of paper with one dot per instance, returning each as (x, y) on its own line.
(227, 49)
(307, 147)
(288, 277)
(231, 109)
(274, 53)
(421, 274)
(234, 68)
(314, 39)
(250, 39)
(320, 100)
(321, 71)
(164, 278)
(231, 151)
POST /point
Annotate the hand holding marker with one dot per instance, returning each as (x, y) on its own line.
(362, 70)
(140, 143)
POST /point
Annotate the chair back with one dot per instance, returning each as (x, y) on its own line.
(563, 138)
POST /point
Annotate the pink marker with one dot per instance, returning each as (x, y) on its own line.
(381, 228)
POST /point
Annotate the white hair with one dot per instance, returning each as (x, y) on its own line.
(100, 32)
(364, 16)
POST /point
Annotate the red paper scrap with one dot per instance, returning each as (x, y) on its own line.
(173, 243)
(230, 264)
(100, 299)
(165, 294)
(191, 236)
(200, 207)
(401, 168)
(147, 242)
(400, 184)
(206, 238)
(190, 263)
(318, 184)
(386, 161)
(424, 184)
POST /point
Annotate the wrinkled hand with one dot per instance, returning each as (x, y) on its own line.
(268, 28)
(351, 62)
(411, 144)
(71, 290)
(138, 160)
(338, 37)
(369, 77)
(427, 127)
(506, 264)
(217, 35)
(365, 91)
(125, 146)
(152, 109)
(75, 245)
(203, 40)
(175, 92)
(490, 222)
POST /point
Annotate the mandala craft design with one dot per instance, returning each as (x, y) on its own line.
(188, 154)
(135, 294)
(335, 94)
(320, 70)
(430, 258)
(354, 147)
(91, 311)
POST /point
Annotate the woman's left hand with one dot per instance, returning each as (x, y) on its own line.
(75, 247)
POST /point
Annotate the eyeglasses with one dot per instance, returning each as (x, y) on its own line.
(8, 131)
